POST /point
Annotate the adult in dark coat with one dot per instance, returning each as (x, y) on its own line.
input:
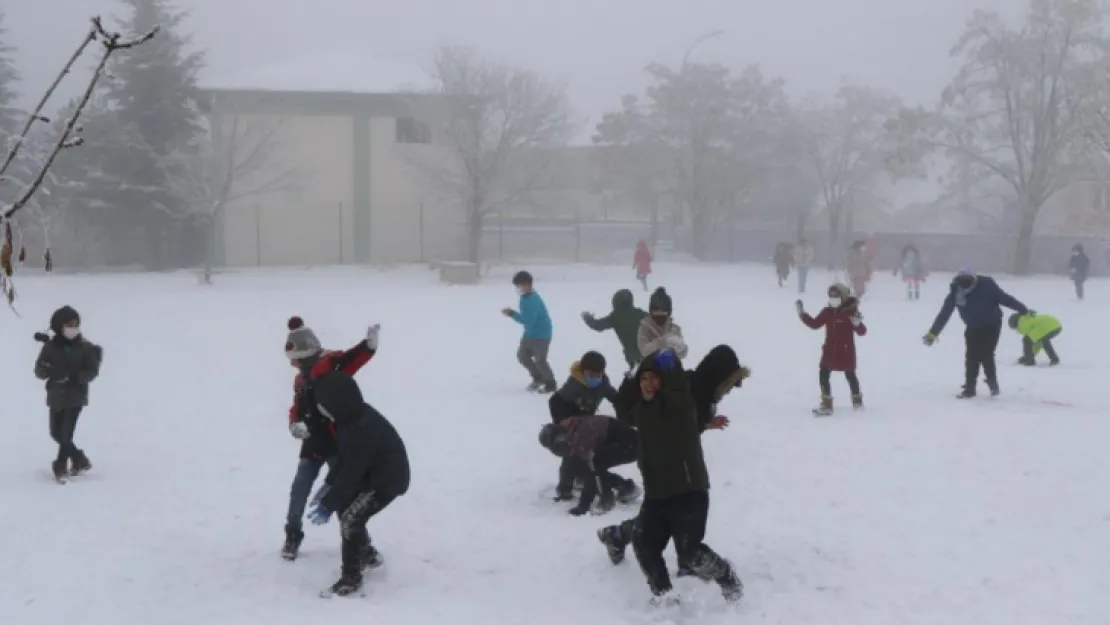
(979, 300)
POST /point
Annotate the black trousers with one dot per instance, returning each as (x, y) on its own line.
(1046, 343)
(352, 526)
(823, 377)
(682, 519)
(1079, 288)
(63, 423)
(980, 345)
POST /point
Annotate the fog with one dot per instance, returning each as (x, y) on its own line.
(894, 56)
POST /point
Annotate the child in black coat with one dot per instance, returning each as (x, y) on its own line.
(68, 363)
(591, 445)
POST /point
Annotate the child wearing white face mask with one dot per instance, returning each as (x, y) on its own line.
(68, 362)
(842, 322)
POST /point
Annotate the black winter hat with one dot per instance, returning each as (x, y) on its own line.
(554, 439)
(63, 317)
(521, 278)
(592, 361)
(660, 301)
(719, 372)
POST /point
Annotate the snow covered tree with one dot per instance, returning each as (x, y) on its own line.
(708, 133)
(153, 97)
(499, 124)
(851, 149)
(10, 116)
(1020, 107)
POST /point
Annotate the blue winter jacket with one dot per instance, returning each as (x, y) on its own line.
(979, 306)
(533, 316)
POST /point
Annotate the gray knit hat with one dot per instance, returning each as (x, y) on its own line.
(302, 341)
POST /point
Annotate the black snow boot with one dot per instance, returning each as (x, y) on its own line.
(59, 469)
(372, 558)
(993, 386)
(615, 541)
(348, 584)
(628, 492)
(292, 546)
(548, 388)
(967, 392)
(80, 463)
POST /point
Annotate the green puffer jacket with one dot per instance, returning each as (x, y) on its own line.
(624, 320)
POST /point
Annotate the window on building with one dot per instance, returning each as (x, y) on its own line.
(410, 130)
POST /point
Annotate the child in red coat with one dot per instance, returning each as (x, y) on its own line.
(842, 322)
(642, 262)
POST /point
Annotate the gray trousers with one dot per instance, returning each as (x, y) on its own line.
(532, 355)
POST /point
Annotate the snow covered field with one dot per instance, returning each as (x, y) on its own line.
(921, 510)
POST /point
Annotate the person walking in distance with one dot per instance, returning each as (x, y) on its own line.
(979, 300)
(803, 260)
(536, 341)
(1079, 266)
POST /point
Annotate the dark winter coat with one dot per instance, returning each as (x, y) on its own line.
(371, 456)
(624, 320)
(587, 433)
(980, 306)
(716, 374)
(68, 367)
(839, 351)
(784, 257)
(1079, 267)
(320, 444)
(671, 459)
(575, 398)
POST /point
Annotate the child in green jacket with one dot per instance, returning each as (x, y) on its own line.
(1037, 331)
(624, 321)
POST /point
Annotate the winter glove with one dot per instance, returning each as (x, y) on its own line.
(587, 317)
(666, 360)
(675, 342)
(319, 496)
(42, 337)
(800, 307)
(508, 312)
(372, 336)
(857, 319)
(929, 339)
(318, 516)
(299, 430)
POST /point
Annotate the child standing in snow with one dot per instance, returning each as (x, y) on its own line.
(783, 260)
(642, 262)
(624, 320)
(1078, 267)
(536, 341)
(68, 362)
(1037, 331)
(913, 272)
(859, 268)
(658, 331)
(842, 322)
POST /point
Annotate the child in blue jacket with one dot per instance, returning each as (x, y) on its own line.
(979, 301)
(536, 341)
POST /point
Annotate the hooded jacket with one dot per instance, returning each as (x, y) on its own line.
(717, 374)
(624, 320)
(320, 444)
(979, 306)
(1079, 266)
(652, 337)
(67, 366)
(1036, 328)
(575, 398)
(839, 351)
(371, 455)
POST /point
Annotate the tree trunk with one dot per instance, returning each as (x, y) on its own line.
(1024, 250)
(702, 227)
(474, 236)
(834, 237)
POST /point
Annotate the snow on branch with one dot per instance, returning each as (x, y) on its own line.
(111, 43)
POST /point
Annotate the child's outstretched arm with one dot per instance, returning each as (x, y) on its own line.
(598, 325)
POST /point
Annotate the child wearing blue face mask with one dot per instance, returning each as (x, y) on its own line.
(581, 394)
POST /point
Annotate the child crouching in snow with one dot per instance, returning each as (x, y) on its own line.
(842, 322)
(1037, 331)
(580, 395)
(591, 445)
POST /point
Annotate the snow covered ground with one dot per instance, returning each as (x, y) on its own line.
(921, 510)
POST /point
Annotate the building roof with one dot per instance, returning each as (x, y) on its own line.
(336, 70)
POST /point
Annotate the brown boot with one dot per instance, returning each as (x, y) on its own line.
(857, 402)
(826, 407)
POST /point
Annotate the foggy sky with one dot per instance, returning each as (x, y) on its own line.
(599, 46)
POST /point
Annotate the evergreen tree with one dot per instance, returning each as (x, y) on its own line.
(10, 117)
(153, 96)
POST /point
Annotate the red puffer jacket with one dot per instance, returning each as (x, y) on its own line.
(839, 351)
